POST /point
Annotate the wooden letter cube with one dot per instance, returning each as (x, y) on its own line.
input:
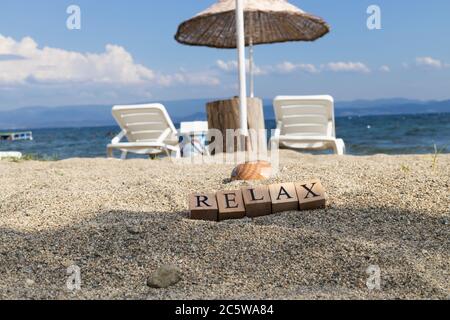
(231, 205)
(203, 207)
(284, 197)
(311, 195)
(257, 201)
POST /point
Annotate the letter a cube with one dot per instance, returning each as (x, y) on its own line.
(284, 197)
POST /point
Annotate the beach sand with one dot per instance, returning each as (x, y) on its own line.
(121, 220)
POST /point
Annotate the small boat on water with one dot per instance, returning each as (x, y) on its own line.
(16, 136)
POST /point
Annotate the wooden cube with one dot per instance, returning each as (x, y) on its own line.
(231, 205)
(257, 201)
(311, 195)
(284, 197)
(203, 206)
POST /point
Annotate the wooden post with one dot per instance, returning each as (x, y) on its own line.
(224, 115)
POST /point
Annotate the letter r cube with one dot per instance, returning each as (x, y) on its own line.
(203, 206)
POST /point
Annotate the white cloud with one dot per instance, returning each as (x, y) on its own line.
(189, 78)
(385, 69)
(232, 66)
(347, 67)
(289, 67)
(34, 75)
(227, 66)
(431, 63)
(23, 62)
(113, 66)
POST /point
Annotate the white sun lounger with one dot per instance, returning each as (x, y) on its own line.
(307, 123)
(10, 155)
(148, 128)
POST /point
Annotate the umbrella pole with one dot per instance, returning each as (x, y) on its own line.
(244, 168)
(241, 61)
(252, 79)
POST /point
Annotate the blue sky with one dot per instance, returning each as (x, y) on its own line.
(125, 52)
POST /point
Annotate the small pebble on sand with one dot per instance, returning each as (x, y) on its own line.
(164, 277)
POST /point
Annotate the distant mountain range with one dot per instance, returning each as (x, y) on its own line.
(191, 110)
(390, 107)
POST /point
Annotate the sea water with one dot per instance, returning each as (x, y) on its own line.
(405, 134)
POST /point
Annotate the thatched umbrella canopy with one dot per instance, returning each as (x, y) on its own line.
(266, 21)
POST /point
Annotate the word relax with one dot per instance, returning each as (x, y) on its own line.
(257, 201)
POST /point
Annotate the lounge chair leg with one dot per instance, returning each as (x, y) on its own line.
(124, 155)
(339, 148)
(171, 150)
(109, 152)
(178, 155)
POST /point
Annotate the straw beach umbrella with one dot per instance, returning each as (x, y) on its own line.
(266, 21)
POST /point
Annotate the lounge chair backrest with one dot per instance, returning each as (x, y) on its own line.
(305, 115)
(144, 123)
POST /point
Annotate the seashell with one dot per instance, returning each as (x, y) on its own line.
(258, 170)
